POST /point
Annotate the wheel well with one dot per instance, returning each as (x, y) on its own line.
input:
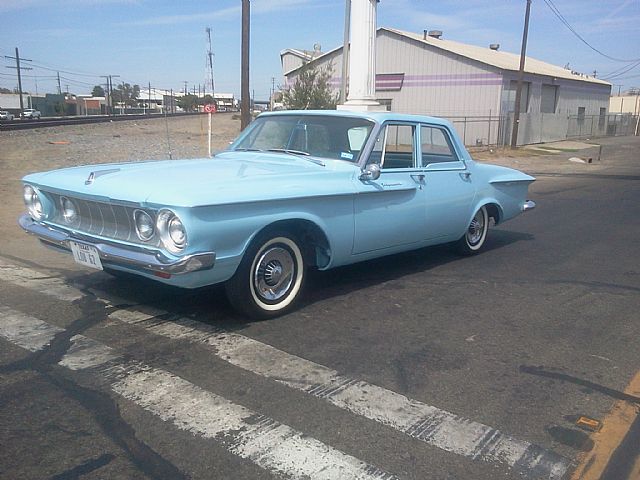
(313, 240)
(494, 212)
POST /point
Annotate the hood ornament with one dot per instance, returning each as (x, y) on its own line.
(94, 175)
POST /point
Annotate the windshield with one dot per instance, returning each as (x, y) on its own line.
(324, 136)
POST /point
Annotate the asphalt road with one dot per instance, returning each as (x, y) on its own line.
(417, 366)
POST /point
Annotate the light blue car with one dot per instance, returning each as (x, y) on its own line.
(297, 189)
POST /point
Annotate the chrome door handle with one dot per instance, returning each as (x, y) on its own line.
(418, 177)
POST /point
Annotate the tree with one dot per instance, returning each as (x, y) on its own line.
(126, 94)
(188, 102)
(97, 91)
(5, 90)
(311, 90)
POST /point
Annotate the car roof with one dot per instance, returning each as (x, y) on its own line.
(378, 117)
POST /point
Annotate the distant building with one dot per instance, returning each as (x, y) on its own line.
(625, 104)
(225, 102)
(426, 74)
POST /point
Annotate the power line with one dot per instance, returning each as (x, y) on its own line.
(614, 75)
(566, 23)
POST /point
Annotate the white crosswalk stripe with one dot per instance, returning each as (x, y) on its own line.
(247, 434)
(418, 420)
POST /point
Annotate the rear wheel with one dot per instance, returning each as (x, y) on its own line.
(474, 238)
(270, 276)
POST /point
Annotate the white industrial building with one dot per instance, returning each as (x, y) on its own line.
(472, 86)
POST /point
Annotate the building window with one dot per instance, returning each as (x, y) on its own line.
(524, 99)
(581, 111)
(385, 102)
(601, 118)
(549, 100)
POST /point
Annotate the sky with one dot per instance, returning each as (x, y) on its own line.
(164, 41)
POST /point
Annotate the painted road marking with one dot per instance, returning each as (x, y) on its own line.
(34, 280)
(418, 420)
(270, 444)
(25, 331)
(432, 425)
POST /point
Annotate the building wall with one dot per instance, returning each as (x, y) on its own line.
(440, 83)
(290, 61)
(625, 104)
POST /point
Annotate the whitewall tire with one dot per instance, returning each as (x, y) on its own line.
(270, 276)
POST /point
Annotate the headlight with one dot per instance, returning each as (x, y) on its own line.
(69, 211)
(144, 225)
(33, 203)
(172, 231)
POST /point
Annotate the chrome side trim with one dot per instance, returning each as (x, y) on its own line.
(145, 259)
(528, 205)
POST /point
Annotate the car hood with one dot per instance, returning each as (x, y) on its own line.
(229, 177)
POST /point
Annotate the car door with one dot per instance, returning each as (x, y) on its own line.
(390, 211)
(449, 187)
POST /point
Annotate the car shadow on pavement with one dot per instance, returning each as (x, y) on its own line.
(323, 285)
(210, 305)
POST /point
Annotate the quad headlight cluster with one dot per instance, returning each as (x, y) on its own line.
(33, 202)
(167, 225)
(171, 230)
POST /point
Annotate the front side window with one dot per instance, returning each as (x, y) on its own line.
(326, 136)
(394, 147)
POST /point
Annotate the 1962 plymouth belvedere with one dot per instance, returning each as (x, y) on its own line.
(297, 189)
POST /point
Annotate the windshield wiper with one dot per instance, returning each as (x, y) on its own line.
(242, 149)
(288, 150)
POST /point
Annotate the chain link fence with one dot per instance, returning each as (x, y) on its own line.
(495, 130)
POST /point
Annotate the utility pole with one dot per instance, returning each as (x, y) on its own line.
(273, 91)
(245, 115)
(523, 52)
(149, 109)
(185, 87)
(18, 68)
(109, 79)
(345, 51)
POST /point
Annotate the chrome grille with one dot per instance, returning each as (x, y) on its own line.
(101, 219)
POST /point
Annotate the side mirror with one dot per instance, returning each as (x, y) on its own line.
(370, 172)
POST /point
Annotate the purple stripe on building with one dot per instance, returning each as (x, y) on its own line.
(452, 83)
(454, 76)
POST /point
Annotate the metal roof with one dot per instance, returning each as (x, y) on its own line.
(495, 58)
(498, 59)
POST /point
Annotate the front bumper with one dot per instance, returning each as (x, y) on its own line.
(138, 258)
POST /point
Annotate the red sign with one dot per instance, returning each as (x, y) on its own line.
(210, 108)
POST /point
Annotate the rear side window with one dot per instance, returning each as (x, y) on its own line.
(436, 146)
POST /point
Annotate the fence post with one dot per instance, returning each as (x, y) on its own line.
(489, 134)
(464, 132)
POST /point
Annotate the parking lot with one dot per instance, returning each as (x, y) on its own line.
(422, 365)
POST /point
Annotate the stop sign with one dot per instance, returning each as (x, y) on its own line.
(210, 108)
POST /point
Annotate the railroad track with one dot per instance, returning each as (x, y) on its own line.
(56, 122)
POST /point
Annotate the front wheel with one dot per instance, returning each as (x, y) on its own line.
(474, 238)
(270, 276)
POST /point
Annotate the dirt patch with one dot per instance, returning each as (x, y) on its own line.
(28, 151)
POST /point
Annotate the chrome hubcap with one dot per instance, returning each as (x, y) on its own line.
(476, 228)
(274, 273)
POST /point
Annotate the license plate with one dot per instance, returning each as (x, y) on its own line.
(86, 255)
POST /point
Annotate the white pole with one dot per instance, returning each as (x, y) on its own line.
(209, 150)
